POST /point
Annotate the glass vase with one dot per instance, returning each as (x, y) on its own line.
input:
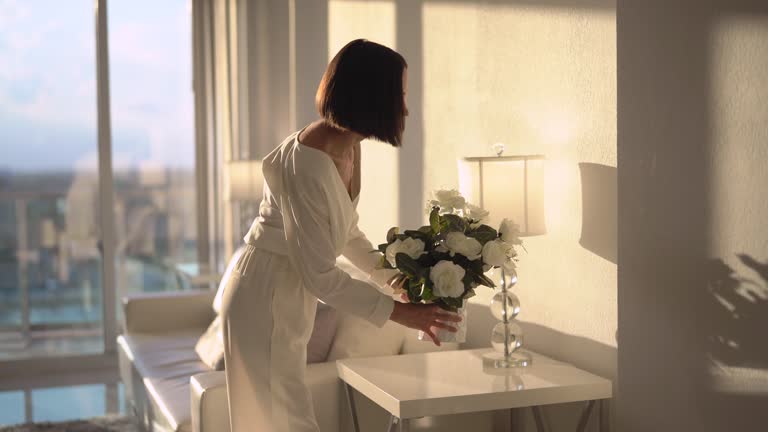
(444, 335)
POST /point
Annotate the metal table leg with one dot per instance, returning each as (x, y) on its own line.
(398, 425)
(604, 415)
(585, 416)
(352, 409)
(404, 425)
(538, 419)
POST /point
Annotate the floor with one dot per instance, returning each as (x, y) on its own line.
(73, 400)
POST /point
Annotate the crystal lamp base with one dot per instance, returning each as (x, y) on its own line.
(515, 360)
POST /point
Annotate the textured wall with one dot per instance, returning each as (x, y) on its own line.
(693, 285)
(739, 53)
(348, 20)
(543, 82)
(541, 79)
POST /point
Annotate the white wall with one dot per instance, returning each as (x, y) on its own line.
(542, 79)
(692, 150)
(541, 76)
(378, 206)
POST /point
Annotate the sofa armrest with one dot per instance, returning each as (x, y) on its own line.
(209, 404)
(323, 381)
(154, 312)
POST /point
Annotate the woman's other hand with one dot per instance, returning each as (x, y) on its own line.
(424, 317)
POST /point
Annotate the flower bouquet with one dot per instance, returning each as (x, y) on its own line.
(443, 262)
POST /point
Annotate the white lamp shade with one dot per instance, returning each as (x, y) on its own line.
(507, 187)
(243, 180)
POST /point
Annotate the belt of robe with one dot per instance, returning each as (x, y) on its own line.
(267, 231)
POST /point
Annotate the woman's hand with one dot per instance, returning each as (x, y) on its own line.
(424, 317)
(397, 283)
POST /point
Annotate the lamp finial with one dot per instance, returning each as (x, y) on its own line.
(499, 148)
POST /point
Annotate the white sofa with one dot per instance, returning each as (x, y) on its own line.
(170, 389)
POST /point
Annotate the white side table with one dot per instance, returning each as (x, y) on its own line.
(453, 382)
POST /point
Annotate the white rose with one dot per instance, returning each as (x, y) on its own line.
(496, 253)
(447, 279)
(476, 213)
(449, 200)
(412, 247)
(510, 232)
(457, 242)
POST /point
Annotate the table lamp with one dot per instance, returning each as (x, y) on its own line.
(507, 187)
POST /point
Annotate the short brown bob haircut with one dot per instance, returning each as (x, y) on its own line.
(362, 91)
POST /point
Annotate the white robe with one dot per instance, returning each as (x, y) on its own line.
(306, 220)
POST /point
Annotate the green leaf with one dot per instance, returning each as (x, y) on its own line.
(383, 263)
(484, 280)
(418, 235)
(414, 291)
(436, 256)
(434, 220)
(427, 293)
(383, 248)
(409, 266)
(477, 278)
(426, 229)
(427, 260)
(483, 234)
(476, 266)
(453, 304)
(392, 233)
(454, 222)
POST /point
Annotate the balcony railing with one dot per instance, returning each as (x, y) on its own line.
(51, 281)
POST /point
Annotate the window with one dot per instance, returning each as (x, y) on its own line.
(51, 237)
(50, 269)
(153, 143)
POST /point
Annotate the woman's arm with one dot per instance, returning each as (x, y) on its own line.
(307, 217)
(360, 252)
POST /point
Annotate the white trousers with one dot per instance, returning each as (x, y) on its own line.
(268, 319)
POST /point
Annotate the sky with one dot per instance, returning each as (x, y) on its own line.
(48, 84)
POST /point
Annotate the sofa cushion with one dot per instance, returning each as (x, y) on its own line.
(356, 337)
(165, 363)
(323, 333)
(210, 346)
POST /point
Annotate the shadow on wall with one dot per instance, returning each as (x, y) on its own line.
(584, 353)
(737, 311)
(599, 210)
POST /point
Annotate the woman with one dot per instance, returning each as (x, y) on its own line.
(306, 219)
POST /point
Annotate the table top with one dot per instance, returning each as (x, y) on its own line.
(453, 382)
